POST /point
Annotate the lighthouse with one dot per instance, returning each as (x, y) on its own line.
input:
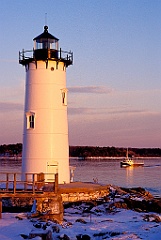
(45, 133)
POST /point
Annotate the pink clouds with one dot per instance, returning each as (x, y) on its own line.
(90, 89)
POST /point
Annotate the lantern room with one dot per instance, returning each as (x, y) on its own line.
(45, 45)
(46, 40)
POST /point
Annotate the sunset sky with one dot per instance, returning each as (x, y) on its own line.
(114, 96)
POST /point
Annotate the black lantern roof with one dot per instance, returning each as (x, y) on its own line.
(45, 35)
(46, 48)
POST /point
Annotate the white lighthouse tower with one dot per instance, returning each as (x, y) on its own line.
(45, 136)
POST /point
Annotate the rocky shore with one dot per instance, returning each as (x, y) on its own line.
(122, 214)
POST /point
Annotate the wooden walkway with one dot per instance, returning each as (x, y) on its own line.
(34, 185)
(11, 184)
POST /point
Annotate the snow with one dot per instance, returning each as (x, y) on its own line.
(11, 227)
(117, 224)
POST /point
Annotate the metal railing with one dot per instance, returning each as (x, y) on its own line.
(48, 54)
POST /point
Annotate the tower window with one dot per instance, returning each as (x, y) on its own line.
(30, 120)
(64, 97)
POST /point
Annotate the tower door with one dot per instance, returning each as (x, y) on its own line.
(52, 169)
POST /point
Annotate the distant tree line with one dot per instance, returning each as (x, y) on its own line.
(11, 149)
(90, 151)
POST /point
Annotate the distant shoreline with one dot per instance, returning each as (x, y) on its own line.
(11, 158)
(110, 158)
(82, 159)
(14, 151)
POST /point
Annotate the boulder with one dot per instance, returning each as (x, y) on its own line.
(81, 220)
(64, 237)
(83, 237)
(44, 234)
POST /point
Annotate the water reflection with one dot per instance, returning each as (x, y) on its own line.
(129, 175)
(10, 165)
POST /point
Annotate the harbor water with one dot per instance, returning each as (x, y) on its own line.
(108, 172)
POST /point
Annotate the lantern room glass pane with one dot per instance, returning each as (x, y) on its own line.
(45, 44)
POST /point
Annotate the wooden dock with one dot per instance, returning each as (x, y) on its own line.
(34, 183)
(39, 187)
(34, 186)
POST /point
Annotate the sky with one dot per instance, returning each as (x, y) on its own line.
(114, 84)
